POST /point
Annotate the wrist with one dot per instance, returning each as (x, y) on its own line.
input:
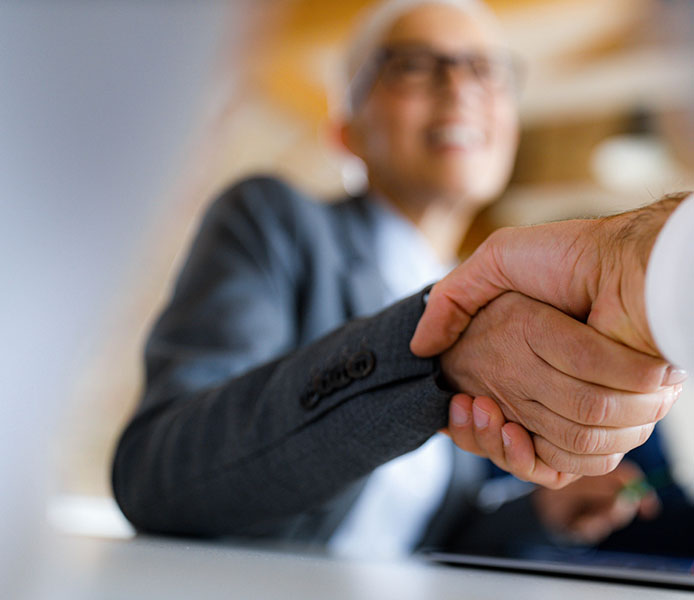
(625, 242)
(636, 231)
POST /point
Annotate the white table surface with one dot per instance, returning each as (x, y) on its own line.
(153, 568)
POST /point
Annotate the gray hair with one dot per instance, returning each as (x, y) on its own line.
(376, 23)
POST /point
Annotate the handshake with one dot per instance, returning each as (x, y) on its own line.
(544, 328)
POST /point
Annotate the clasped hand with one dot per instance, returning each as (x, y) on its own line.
(562, 379)
(587, 399)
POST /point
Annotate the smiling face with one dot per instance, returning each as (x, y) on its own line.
(447, 135)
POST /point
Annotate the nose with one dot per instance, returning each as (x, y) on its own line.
(457, 81)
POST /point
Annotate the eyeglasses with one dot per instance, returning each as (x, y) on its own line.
(412, 69)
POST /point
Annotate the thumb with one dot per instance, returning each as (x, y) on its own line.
(550, 263)
(455, 299)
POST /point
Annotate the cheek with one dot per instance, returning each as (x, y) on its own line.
(499, 158)
(504, 121)
(395, 128)
(484, 174)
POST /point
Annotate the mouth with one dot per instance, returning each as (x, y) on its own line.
(456, 136)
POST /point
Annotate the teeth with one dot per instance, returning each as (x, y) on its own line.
(464, 136)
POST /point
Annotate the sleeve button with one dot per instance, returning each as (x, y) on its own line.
(360, 364)
(310, 400)
(338, 377)
(322, 385)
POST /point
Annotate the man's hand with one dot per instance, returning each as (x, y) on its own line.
(478, 426)
(588, 398)
(593, 270)
(589, 510)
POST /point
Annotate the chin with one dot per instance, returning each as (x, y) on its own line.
(467, 188)
(459, 195)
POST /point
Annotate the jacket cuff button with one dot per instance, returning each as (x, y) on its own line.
(361, 364)
(310, 400)
(322, 385)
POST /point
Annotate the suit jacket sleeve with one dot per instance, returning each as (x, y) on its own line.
(220, 445)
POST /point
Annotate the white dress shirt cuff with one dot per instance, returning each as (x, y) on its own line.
(670, 287)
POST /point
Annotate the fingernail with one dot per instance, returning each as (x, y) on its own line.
(459, 415)
(505, 438)
(480, 417)
(674, 375)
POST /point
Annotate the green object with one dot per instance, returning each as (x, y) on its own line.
(639, 488)
(636, 490)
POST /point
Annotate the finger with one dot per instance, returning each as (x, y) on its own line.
(598, 521)
(440, 325)
(650, 506)
(629, 476)
(578, 350)
(581, 439)
(591, 529)
(567, 462)
(521, 460)
(508, 445)
(622, 512)
(487, 423)
(592, 404)
(595, 526)
(455, 299)
(460, 424)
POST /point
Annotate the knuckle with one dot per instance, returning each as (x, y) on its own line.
(512, 304)
(594, 407)
(587, 440)
(553, 456)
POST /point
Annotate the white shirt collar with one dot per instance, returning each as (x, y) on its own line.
(405, 258)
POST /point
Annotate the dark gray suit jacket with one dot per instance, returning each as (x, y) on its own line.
(264, 412)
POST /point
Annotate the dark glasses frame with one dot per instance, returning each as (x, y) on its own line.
(474, 61)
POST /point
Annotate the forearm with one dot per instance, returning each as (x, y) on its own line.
(246, 456)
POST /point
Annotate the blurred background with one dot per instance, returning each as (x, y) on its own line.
(608, 124)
